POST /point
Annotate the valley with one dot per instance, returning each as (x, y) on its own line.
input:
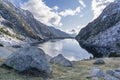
(32, 50)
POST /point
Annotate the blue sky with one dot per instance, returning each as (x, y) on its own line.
(70, 22)
(64, 14)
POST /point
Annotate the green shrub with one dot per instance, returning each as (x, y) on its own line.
(114, 54)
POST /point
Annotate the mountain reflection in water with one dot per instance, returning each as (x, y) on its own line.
(69, 48)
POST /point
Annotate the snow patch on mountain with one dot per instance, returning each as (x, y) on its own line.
(9, 41)
(6, 35)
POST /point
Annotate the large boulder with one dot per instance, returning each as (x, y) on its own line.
(60, 59)
(31, 59)
(99, 62)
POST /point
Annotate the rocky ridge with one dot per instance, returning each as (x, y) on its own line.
(101, 37)
(23, 23)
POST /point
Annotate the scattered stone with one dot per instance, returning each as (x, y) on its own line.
(117, 70)
(114, 73)
(117, 74)
(108, 77)
(60, 59)
(110, 72)
(96, 72)
(99, 62)
(30, 59)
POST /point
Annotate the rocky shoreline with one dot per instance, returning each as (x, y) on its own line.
(97, 51)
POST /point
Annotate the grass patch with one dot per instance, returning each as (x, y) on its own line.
(7, 73)
(79, 71)
(5, 31)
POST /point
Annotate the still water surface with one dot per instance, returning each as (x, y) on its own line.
(69, 48)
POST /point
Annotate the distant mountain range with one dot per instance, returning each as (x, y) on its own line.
(102, 36)
(23, 24)
(59, 33)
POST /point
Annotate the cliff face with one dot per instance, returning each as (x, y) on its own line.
(20, 25)
(24, 23)
(102, 36)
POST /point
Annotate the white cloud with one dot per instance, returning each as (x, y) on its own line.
(82, 3)
(75, 30)
(99, 5)
(71, 31)
(42, 12)
(81, 15)
(55, 8)
(70, 12)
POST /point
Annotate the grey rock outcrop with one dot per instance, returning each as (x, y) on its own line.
(114, 73)
(101, 37)
(117, 70)
(60, 59)
(109, 75)
(29, 59)
(96, 72)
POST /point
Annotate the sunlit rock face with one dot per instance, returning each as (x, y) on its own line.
(101, 37)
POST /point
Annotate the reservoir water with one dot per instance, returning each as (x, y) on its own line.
(69, 48)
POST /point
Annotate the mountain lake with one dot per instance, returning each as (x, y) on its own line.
(69, 48)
